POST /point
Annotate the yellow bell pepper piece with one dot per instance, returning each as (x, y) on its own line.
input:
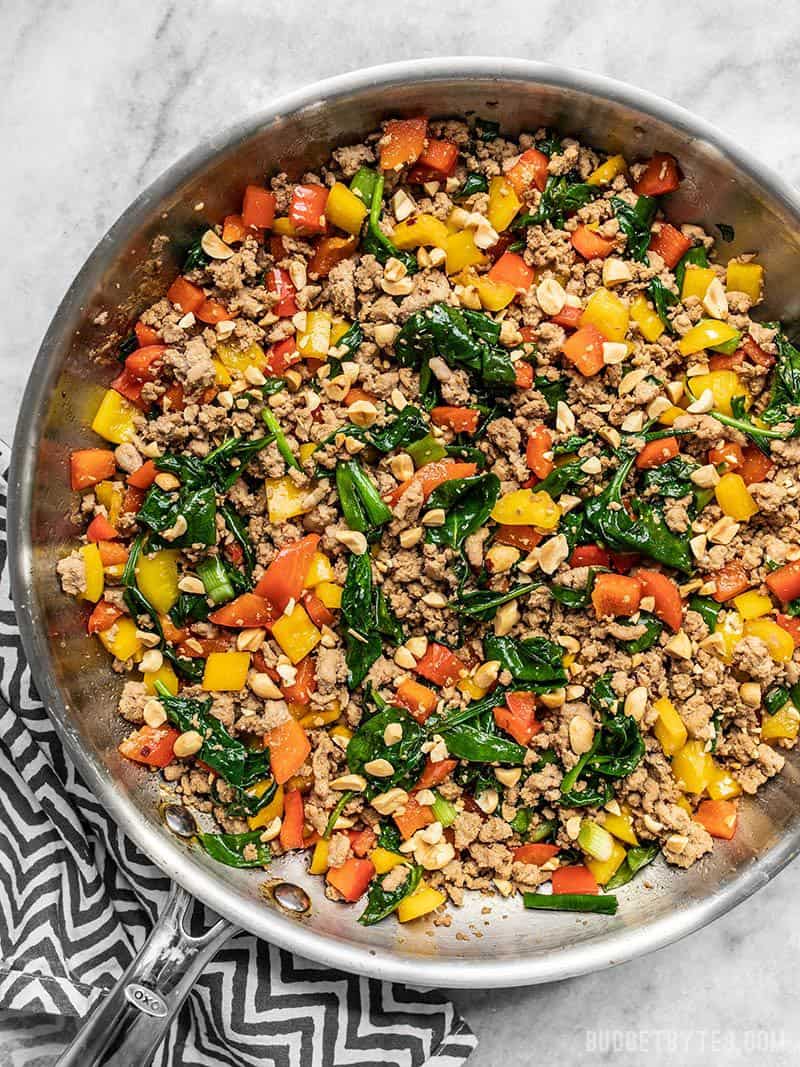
(111, 498)
(296, 634)
(238, 359)
(782, 726)
(344, 209)
(157, 578)
(319, 570)
(604, 870)
(312, 720)
(121, 640)
(503, 204)
(523, 507)
(114, 418)
(471, 688)
(383, 860)
(315, 339)
(668, 417)
(339, 328)
(696, 281)
(461, 252)
(608, 313)
(669, 729)
(779, 643)
(330, 594)
(344, 732)
(221, 376)
(421, 231)
(226, 672)
(724, 386)
(734, 498)
(319, 859)
(621, 826)
(95, 579)
(682, 802)
(722, 785)
(285, 500)
(494, 296)
(306, 451)
(747, 278)
(693, 767)
(607, 171)
(165, 675)
(644, 315)
(284, 227)
(273, 810)
(708, 333)
(752, 605)
(424, 900)
(732, 632)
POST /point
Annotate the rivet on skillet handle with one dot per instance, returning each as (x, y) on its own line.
(128, 1026)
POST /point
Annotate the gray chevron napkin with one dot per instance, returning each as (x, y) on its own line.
(77, 898)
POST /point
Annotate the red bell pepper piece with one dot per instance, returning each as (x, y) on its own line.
(144, 477)
(511, 269)
(529, 170)
(186, 296)
(728, 453)
(670, 244)
(568, 317)
(755, 353)
(624, 562)
(437, 161)
(352, 878)
(439, 665)
(732, 579)
(403, 142)
(459, 420)
(132, 500)
(433, 475)
(283, 580)
(100, 529)
(144, 363)
(152, 745)
(288, 749)
(103, 617)
(436, 773)
(589, 556)
(130, 387)
(245, 611)
(540, 443)
(234, 230)
(518, 718)
(279, 282)
(719, 817)
(258, 208)
(661, 175)
(665, 592)
(789, 623)
(211, 312)
(305, 683)
(418, 699)
(414, 817)
(363, 841)
(523, 374)
(112, 554)
(536, 853)
(88, 466)
(307, 208)
(319, 614)
(291, 835)
(578, 879)
(756, 466)
(328, 252)
(657, 452)
(145, 335)
(590, 244)
(584, 350)
(525, 538)
(616, 594)
(282, 355)
(784, 582)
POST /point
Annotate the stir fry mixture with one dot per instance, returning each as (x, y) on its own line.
(448, 527)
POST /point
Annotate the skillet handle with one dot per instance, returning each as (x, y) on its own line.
(129, 1024)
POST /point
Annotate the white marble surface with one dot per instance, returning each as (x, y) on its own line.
(99, 97)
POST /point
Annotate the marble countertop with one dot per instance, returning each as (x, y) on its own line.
(99, 98)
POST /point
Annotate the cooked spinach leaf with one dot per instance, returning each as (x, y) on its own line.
(389, 836)
(785, 387)
(740, 420)
(559, 199)
(646, 532)
(462, 337)
(230, 849)
(653, 629)
(569, 445)
(551, 390)
(550, 144)
(195, 258)
(481, 604)
(663, 299)
(236, 526)
(360, 501)
(127, 345)
(375, 241)
(486, 130)
(368, 619)
(467, 503)
(534, 660)
(162, 511)
(482, 744)
(382, 902)
(706, 607)
(671, 479)
(473, 183)
(406, 756)
(410, 426)
(272, 386)
(560, 479)
(635, 221)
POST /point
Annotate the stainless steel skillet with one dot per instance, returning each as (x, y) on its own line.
(129, 269)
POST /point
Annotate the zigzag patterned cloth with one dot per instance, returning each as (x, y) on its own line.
(77, 898)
